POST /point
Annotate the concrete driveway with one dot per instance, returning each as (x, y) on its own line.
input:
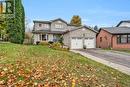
(114, 59)
(117, 57)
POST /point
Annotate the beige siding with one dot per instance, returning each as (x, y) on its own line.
(36, 38)
(79, 33)
(57, 29)
(43, 26)
(66, 39)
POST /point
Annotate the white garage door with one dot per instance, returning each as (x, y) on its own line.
(89, 42)
(76, 43)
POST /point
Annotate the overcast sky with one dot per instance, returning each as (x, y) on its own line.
(93, 12)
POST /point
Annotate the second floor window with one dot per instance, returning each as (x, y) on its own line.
(58, 26)
(45, 26)
(40, 25)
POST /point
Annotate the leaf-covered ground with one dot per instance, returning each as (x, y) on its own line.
(39, 66)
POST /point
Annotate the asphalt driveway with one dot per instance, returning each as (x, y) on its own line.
(120, 58)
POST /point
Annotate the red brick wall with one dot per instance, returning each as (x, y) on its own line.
(119, 46)
(106, 39)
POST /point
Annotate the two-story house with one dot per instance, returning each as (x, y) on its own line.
(49, 30)
(73, 37)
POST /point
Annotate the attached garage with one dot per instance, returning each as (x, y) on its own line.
(80, 38)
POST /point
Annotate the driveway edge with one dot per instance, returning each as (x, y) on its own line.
(118, 67)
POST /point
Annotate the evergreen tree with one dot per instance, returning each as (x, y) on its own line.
(16, 27)
(76, 20)
(3, 30)
(96, 28)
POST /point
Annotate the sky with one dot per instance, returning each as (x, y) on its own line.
(103, 13)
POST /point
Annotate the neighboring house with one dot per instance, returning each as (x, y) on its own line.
(114, 37)
(125, 23)
(50, 30)
(72, 35)
(79, 38)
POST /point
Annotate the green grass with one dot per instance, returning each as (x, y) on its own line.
(126, 50)
(40, 65)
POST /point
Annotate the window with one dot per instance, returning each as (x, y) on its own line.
(45, 26)
(91, 38)
(128, 38)
(100, 39)
(42, 37)
(58, 26)
(123, 39)
(118, 39)
(40, 25)
(73, 37)
(79, 37)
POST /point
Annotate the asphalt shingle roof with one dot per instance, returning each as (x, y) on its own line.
(37, 21)
(117, 30)
(48, 32)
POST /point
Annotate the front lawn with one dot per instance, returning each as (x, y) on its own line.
(118, 50)
(40, 66)
(126, 50)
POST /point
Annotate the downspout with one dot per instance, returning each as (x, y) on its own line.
(84, 47)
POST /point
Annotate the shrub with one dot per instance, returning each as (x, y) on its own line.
(58, 46)
(50, 42)
(37, 43)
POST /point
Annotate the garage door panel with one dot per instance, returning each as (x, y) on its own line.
(76, 43)
(89, 42)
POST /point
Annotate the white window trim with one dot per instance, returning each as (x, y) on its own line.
(59, 26)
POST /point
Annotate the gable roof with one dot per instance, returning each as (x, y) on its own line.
(126, 21)
(38, 21)
(117, 30)
(58, 19)
(86, 27)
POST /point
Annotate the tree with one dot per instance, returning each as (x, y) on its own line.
(16, 25)
(96, 28)
(3, 31)
(27, 25)
(76, 20)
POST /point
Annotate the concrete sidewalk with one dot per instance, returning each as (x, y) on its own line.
(120, 68)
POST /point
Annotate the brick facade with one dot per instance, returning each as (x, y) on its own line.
(119, 46)
(107, 40)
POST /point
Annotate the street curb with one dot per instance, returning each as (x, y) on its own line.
(118, 67)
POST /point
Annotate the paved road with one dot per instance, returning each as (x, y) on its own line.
(120, 58)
